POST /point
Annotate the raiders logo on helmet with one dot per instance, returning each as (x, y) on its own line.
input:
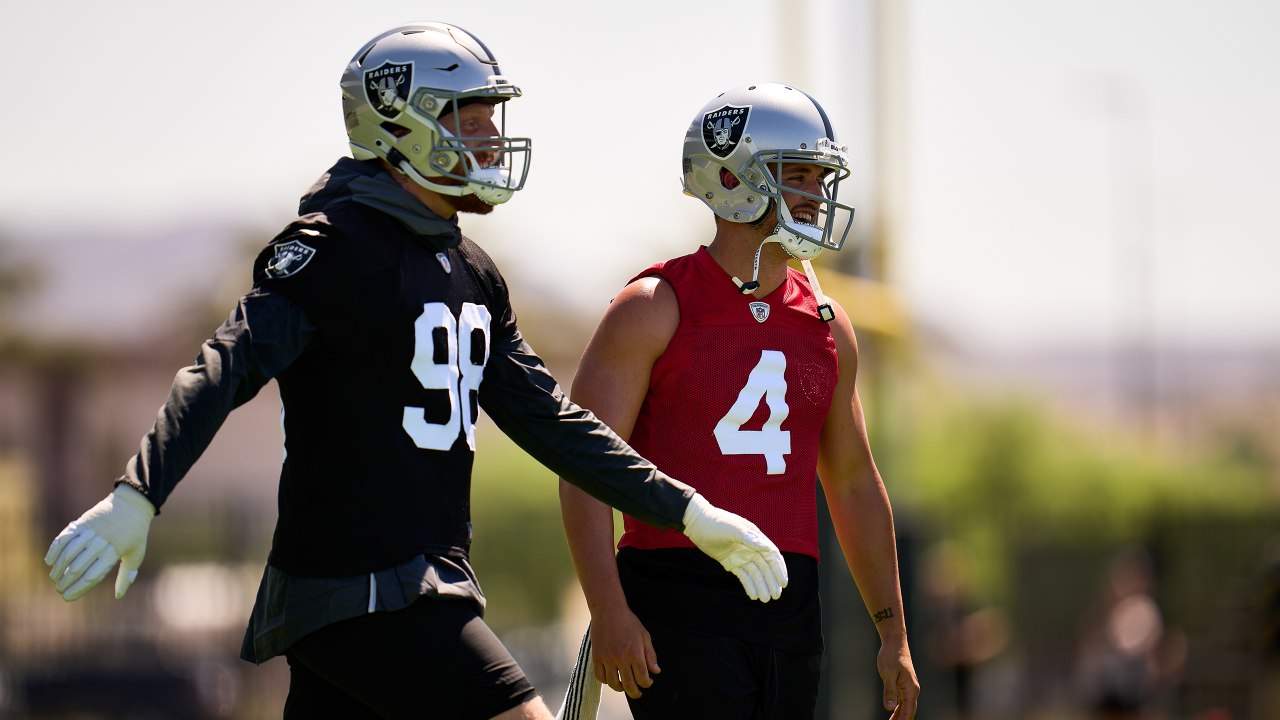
(722, 129)
(387, 87)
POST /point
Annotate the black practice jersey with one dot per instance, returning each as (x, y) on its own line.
(380, 412)
(386, 338)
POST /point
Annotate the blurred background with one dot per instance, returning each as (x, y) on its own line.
(1061, 273)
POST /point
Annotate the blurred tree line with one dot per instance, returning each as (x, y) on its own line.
(999, 472)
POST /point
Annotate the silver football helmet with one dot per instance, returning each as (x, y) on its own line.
(750, 132)
(399, 85)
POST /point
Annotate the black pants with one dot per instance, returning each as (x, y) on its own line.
(436, 659)
(706, 676)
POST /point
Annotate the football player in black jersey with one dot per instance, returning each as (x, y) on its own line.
(387, 330)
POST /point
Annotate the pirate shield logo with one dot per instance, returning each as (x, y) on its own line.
(387, 87)
(760, 311)
(722, 129)
(290, 258)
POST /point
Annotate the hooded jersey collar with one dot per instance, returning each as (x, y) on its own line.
(367, 183)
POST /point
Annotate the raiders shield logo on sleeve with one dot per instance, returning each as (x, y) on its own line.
(290, 258)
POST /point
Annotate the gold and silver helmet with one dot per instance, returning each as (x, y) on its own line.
(750, 132)
(399, 85)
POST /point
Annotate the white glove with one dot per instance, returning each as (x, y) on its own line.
(113, 530)
(739, 546)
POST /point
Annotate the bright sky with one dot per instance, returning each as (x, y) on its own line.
(1067, 171)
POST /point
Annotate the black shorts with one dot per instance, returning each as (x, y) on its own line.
(722, 654)
(685, 588)
(708, 676)
(435, 658)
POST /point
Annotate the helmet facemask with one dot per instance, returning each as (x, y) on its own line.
(804, 238)
(454, 163)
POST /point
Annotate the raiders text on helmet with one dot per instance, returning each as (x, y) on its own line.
(399, 85)
(751, 131)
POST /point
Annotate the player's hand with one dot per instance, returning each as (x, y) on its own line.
(622, 652)
(114, 530)
(739, 546)
(901, 688)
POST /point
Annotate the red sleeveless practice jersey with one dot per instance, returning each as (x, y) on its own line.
(737, 401)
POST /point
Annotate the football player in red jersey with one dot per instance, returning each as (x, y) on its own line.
(749, 387)
(387, 330)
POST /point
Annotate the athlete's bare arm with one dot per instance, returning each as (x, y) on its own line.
(863, 522)
(612, 379)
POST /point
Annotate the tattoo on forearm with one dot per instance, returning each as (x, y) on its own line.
(884, 614)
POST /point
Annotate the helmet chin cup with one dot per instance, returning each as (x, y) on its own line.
(795, 241)
(490, 195)
(491, 184)
(801, 249)
(801, 240)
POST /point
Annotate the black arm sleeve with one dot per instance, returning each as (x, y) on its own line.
(262, 335)
(526, 403)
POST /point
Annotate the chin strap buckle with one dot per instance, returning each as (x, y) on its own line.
(824, 308)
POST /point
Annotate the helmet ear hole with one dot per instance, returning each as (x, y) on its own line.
(728, 180)
(395, 130)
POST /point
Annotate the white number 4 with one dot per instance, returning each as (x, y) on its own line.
(765, 381)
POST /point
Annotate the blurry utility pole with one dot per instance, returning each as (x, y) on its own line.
(1135, 370)
(1130, 175)
(850, 55)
